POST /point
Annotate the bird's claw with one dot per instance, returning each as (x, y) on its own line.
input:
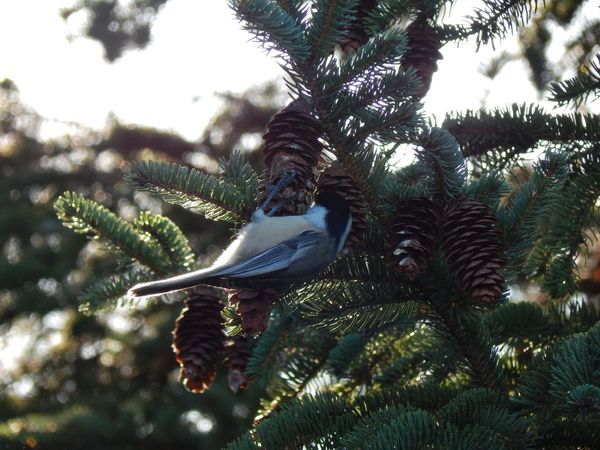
(273, 190)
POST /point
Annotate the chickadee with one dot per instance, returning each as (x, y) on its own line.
(271, 251)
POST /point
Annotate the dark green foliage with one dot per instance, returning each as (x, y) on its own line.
(89, 218)
(110, 292)
(499, 18)
(169, 237)
(349, 306)
(344, 352)
(440, 154)
(563, 384)
(273, 27)
(530, 207)
(196, 191)
(514, 130)
(474, 418)
(329, 24)
(488, 189)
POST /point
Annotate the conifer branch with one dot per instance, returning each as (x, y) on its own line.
(108, 293)
(459, 324)
(341, 356)
(439, 153)
(295, 8)
(567, 236)
(499, 18)
(273, 27)
(381, 54)
(329, 24)
(286, 358)
(562, 386)
(390, 88)
(344, 306)
(387, 123)
(576, 90)
(488, 189)
(517, 129)
(385, 13)
(302, 421)
(530, 207)
(170, 238)
(88, 217)
(236, 171)
(192, 189)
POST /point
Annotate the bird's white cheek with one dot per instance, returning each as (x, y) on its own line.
(316, 215)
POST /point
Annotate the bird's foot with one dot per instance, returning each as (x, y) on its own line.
(273, 190)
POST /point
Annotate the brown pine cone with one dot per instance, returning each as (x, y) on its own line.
(198, 339)
(237, 353)
(292, 143)
(357, 34)
(471, 242)
(422, 53)
(254, 307)
(335, 179)
(414, 235)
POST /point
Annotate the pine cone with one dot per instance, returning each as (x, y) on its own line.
(422, 53)
(336, 179)
(237, 353)
(292, 143)
(357, 34)
(415, 230)
(198, 339)
(471, 242)
(254, 307)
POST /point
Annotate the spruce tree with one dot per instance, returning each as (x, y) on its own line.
(413, 338)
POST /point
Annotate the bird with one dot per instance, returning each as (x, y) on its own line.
(271, 251)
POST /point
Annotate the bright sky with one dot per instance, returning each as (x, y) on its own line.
(197, 48)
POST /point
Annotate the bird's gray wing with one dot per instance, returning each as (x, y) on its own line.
(276, 258)
(307, 252)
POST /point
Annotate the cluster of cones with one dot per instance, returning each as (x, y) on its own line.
(200, 344)
(467, 233)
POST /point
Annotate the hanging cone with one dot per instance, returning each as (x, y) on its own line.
(291, 143)
(422, 53)
(254, 307)
(198, 339)
(357, 34)
(237, 353)
(336, 179)
(414, 232)
(471, 242)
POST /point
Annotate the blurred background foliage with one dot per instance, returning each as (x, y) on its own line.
(74, 381)
(68, 380)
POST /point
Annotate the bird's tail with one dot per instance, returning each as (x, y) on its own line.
(176, 283)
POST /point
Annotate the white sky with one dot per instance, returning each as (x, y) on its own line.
(197, 48)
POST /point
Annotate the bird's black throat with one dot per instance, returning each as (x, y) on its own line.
(338, 212)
